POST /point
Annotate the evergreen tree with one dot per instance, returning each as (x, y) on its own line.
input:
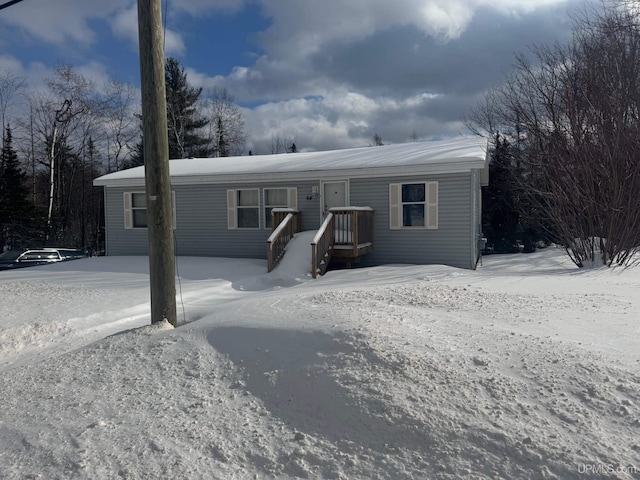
(184, 122)
(183, 119)
(507, 216)
(136, 158)
(500, 215)
(15, 208)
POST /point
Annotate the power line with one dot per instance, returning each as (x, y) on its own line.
(8, 4)
(164, 30)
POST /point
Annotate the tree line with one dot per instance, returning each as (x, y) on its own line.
(565, 132)
(73, 131)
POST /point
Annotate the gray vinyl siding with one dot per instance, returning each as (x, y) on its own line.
(201, 225)
(120, 241)
(476, 196)
(201, 228)
(449, 244)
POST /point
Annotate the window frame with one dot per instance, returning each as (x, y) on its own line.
(291, 202)
(430, 205)
(233, 208)
(129, 217)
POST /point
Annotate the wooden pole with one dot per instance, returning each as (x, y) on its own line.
(156, 160)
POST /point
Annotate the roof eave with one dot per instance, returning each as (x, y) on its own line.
(460, 165)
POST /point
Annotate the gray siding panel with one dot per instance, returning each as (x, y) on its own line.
(449, 244)
(120, 241)
(201, 226)
(476, 196)
(202, 222)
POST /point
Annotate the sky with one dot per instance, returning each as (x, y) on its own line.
(524, 368)
(325, 74)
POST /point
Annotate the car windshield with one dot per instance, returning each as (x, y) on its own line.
(10, 255)
(39, 255)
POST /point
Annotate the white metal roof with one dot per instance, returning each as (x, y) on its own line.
(443, 156)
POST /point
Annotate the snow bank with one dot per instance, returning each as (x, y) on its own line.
(525, 368)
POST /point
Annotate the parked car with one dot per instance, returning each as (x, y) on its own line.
(37, 256)
(69, 253)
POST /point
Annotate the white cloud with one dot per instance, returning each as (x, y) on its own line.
(301, 27)
(124, 24)
(61, 21)
(173, 43)
(332, 72)
(343, 119)
(33, 73)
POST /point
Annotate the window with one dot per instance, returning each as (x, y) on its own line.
(243, 208)
(135, 210)
(139, 210)
(273, 197)
(413, 205)
(278, 198)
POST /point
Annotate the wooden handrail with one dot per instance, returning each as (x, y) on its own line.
(282, 233)
(346, 232)
(353, 227)
(278, 214)
(322, 246)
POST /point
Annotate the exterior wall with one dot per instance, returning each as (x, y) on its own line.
(476, 197)
(201, 212)
(201, 227)
(449, 244)
(118, 240)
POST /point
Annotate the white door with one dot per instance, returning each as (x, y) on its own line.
(334, 194)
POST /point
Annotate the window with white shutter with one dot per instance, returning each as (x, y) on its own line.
(135, 210)
(413, 205)
(243, 208)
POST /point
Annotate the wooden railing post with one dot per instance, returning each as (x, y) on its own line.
(281, 234)
(322, 246)
(354, 231)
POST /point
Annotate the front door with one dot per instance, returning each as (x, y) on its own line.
(334, 194)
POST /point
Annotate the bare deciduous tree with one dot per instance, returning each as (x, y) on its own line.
(10, 86)
(227, 125)
(120, 123)
(573, 116)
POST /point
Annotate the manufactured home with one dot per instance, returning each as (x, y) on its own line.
(416, 203)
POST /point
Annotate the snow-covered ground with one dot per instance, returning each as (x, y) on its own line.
(525, 368)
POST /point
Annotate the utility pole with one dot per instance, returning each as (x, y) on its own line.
(156, 160)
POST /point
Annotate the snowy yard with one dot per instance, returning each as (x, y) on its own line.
(525, 368)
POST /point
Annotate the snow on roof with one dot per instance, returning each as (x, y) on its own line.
(441, 156)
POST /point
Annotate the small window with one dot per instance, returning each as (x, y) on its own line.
(135, 210)
(139, 210)
(273, 198)
(413, 205)
(248, 208)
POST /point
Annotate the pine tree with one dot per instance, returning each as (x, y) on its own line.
(15, 208)
(183, 119)
(505, 212)
(184, 122)
(500, 214)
